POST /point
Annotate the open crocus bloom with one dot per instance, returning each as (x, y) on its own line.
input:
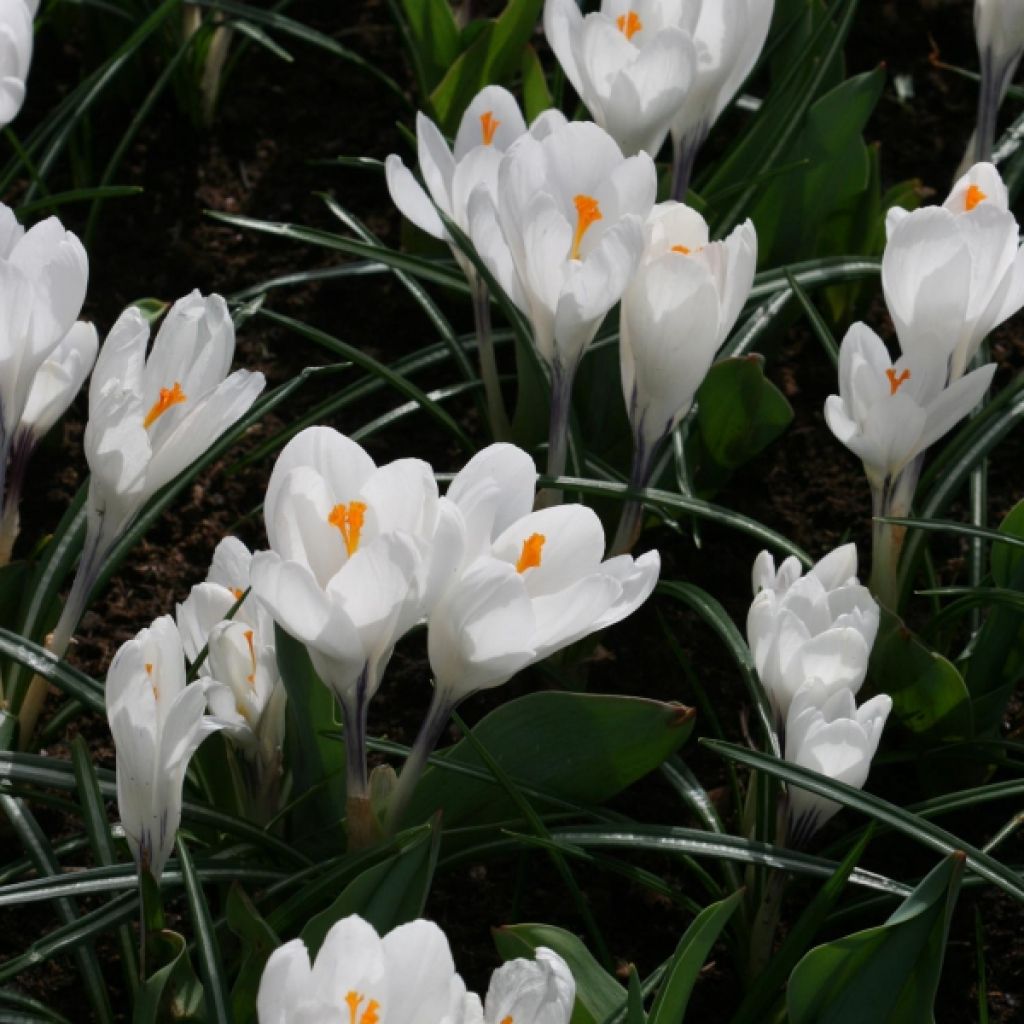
(564, 233)
(889, 413)
(538, 991)
(15, 54)
(676, 313)
(817, 626)
(152, 416)
(954, 272)
(827, 733)
(631, 63)
(158, 723)
(406, 977)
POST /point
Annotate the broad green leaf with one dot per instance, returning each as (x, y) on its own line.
(598, 994)
(584, 747)
(688, 960)
(893, 969)
(387, 894)
(258, 942)
(1007, 557)
(739, 413)
(536, 95)
(172, 992)
(433, 38)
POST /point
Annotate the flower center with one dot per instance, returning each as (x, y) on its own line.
(588, 213)
(368, 1016)
(168, 397)
(349, 520)
(973, 197)
(238, 592)
(251, 677)
(628, 24)
(529, 558)
(896, 381)
(681, 248)
(488, 126)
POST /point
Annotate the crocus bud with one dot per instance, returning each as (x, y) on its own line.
(15, 54)
(158, 723)
(406, 977)
(631, 64)
(889, 412)
(954, 272)
(541, 991)
(827, 733)
(676, 313)
(816, 626)
(999, 27)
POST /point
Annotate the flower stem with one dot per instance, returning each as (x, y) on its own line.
(363, 830)
(497, 415)
(684, 155)
(438, 714)
(891, 499)
(988, 110)
(558, 431)
(631, 519)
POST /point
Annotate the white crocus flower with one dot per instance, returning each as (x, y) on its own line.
(729, 37)
(538, 991)
(564, 236)
(57, 381)
(529, 584)
(490, 124)
(827, 733)
(158, 723)
(349, 570)
(406, 977)
(815, 626)
(999, 27)
(954, 272)
(676, 313)
(631, 63)
(16, 39)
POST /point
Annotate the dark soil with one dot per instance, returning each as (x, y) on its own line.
(260, 159)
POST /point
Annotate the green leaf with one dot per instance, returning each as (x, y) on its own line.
(71, 681)
(210, 966)
(536, 95)
(929, 696)
(1006, 557)
(433, 38)
(491, 59)
(387, 894)
(172, 992)
(894, 969)
(635, 999)
(579, 746)
(686, 963)
(598, 994)
(317, 762)
(258, 942)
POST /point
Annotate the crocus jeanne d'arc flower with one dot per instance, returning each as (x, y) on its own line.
(729, 37)
(819, 626)
(15, 54)
(538, 991)
(563, 236)
(954, 272)
(358, 977)
(889, 412)
(630, 63)
(999, 27)
(158, 723)
(827, 733)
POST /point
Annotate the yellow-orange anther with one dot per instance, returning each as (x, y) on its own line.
(896, 382)
(349, 520)
(149, 672)
(488, 126)
(682, 249)
(251, 677)
(628, 24)
(368, 1016)
(506, 1020)
(168, 397)
(588, 213)
(238, 592)
(529, 557)
(973, 197)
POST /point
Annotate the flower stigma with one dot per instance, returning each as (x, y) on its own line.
(168, 397)
(681, 248)
(368, 1016)
(588, 213)
(973, 197)
(896, 381)
(488, 126)
(628, 24)
(529, 558)
(349, 520)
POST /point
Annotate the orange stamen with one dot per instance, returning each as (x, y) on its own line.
(168, 397)
(682, 249)
(588, 213)
(896, 382)
(368, 1016)
(488, 126)
(349, 520)
(506, 1020)
(628, 24)
(529, 558)
(156, 689)
(973, 197)
(238, 592)
(252, 655)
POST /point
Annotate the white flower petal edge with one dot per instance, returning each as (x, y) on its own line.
(538, 991)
